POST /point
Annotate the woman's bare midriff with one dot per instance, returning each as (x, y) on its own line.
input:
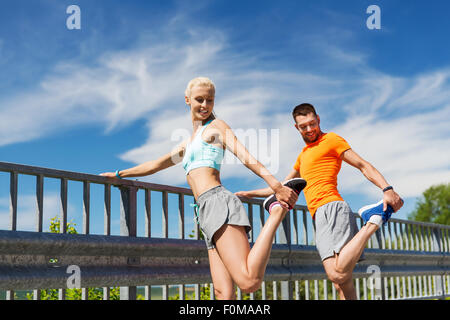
(202, 179)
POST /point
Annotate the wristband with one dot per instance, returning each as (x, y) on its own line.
(388, 188)
(118, 175)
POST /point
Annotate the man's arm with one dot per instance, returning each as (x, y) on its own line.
(263, 193)
(373, 175)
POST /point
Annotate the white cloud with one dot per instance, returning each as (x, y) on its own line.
(425, 91)
(121, 88)
(405, 141)
(410, 151)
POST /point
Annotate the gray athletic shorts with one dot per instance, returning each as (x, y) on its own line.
(217, 207)
(335, 226)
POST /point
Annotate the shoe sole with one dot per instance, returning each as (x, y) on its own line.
(270, 198)
(300, 180)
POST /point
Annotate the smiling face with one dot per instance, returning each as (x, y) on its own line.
(309, 127)
(201, 100)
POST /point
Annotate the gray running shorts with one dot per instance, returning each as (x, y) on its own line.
(335, 227)
(217, 207)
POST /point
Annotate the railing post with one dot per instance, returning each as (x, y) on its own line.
(377, 240)
(39, 202)
(261, 220)
(128, 228)
(13, 201)
(250, 217)
(107, 210)
(285, 238)
(39, 216)
(63, 222)
(165, 230)
(148, 233)
(378, 243)
(439, 280)
(305, 228)
(12, 215)
(107, 226)
(63, 204)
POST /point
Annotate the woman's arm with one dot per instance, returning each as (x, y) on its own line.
(285, 195)
(153, 166)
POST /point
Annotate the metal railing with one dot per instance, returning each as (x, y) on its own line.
(403, 260)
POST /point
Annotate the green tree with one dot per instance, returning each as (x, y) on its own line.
(433, 205)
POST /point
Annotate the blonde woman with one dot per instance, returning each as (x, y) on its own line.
(221, 215)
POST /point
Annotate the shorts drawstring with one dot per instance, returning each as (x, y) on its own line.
(195, 206)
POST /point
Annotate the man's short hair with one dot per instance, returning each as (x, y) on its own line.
(303, 110)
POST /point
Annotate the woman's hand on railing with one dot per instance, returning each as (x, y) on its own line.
(108, 174)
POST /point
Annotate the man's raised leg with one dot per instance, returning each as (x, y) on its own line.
(349, 255)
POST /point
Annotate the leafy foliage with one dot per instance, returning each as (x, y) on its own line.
(434, 205)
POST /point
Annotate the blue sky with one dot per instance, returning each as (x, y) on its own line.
(111, 94)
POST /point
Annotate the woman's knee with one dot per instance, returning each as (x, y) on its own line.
(250, 285)
(224, 293)
(247, 285)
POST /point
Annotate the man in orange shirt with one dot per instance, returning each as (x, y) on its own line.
(338, 240)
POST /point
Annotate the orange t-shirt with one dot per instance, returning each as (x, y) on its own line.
(319, 164)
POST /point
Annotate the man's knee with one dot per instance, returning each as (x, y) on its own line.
(334, 273)
(338, 278)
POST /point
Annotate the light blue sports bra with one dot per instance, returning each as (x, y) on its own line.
(199, 153)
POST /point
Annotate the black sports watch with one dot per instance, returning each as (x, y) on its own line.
(388, 188)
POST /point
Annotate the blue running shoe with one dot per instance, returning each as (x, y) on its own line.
(377, 208)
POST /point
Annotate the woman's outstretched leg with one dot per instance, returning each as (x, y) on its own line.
(223, 283)
(245, 266)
